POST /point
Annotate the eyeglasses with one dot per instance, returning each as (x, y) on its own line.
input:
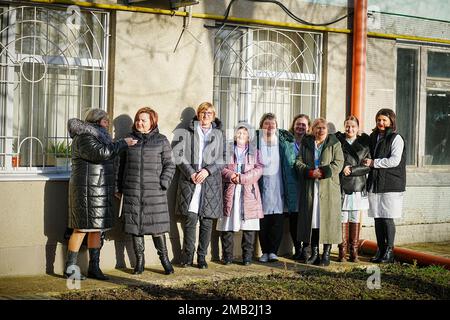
(207, 113)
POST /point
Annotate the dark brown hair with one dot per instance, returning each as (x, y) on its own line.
(301, 115)
(387, 113)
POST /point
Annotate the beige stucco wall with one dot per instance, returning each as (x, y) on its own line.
(380, 78)
(335, 80)
(32, 216)
(148, 73)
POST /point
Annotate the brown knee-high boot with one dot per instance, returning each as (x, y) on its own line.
(343, 246)
(354, 239)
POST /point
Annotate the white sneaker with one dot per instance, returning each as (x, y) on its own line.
(273, 257)
(264, 258)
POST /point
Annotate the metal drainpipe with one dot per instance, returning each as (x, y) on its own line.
(359, 59)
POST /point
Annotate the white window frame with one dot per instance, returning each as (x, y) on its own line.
(7, 171)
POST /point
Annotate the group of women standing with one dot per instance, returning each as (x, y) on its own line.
(248, 185)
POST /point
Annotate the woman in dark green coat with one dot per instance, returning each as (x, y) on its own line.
(319, 162)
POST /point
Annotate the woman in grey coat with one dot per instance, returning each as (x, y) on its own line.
(319, 162)
(199, 155)
(91, 188)
(145, 173)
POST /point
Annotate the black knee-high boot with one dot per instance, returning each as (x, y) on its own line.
(379, 232)
(94, 265)
(325, 261)
(305, 252)
(161, 248)
(315, 256)
(139, 248)
(71, 268)
(389, 229)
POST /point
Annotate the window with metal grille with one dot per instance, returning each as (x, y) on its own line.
(52, 68)
(266, 70)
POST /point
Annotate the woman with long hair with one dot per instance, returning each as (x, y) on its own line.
(300, 127)
(353, 186)
(387, 182)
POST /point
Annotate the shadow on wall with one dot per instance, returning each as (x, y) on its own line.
(55, 223)
(122, 125)
(331, 128)
(186, 116)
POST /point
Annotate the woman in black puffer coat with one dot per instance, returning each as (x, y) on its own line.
(145, 173)
(353, 186)
(91, 188)
(199, 154)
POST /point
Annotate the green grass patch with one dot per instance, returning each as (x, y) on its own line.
(397, 281)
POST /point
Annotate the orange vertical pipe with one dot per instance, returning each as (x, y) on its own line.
(359, 59)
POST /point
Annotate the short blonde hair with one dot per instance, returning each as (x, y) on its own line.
(319, 120)
(205, 106)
